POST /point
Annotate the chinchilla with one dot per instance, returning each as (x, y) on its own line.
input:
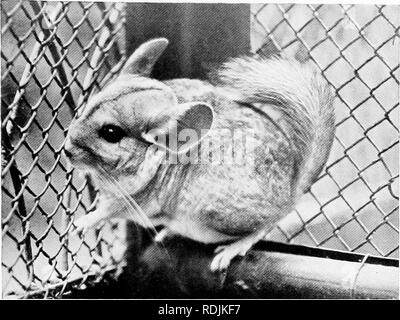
(154, 147)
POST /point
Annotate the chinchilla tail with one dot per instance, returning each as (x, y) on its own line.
(301, 95)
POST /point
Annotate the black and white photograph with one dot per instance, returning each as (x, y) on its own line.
(199, 150)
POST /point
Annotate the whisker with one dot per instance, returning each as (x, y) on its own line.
(132, 204)
(107, 181)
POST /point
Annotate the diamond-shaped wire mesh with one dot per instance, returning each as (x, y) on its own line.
(53, 56)
(354, 204)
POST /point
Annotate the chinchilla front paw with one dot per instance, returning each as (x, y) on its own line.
(224, 254)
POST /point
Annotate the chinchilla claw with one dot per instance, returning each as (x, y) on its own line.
(226, 253)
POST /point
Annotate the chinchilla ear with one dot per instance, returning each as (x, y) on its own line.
(143, 59)
(186, 127)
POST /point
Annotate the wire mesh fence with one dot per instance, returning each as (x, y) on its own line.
(55, 54)
(354, 204)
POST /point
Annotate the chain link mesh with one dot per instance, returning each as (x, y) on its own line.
(55, 54)
(354, 204)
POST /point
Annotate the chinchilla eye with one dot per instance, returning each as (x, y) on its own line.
(111, 133)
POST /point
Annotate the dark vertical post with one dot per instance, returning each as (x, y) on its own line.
(200, 35)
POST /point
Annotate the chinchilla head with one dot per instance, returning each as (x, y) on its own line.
(126, 129)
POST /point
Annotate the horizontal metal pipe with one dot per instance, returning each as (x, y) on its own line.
(181, 268)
